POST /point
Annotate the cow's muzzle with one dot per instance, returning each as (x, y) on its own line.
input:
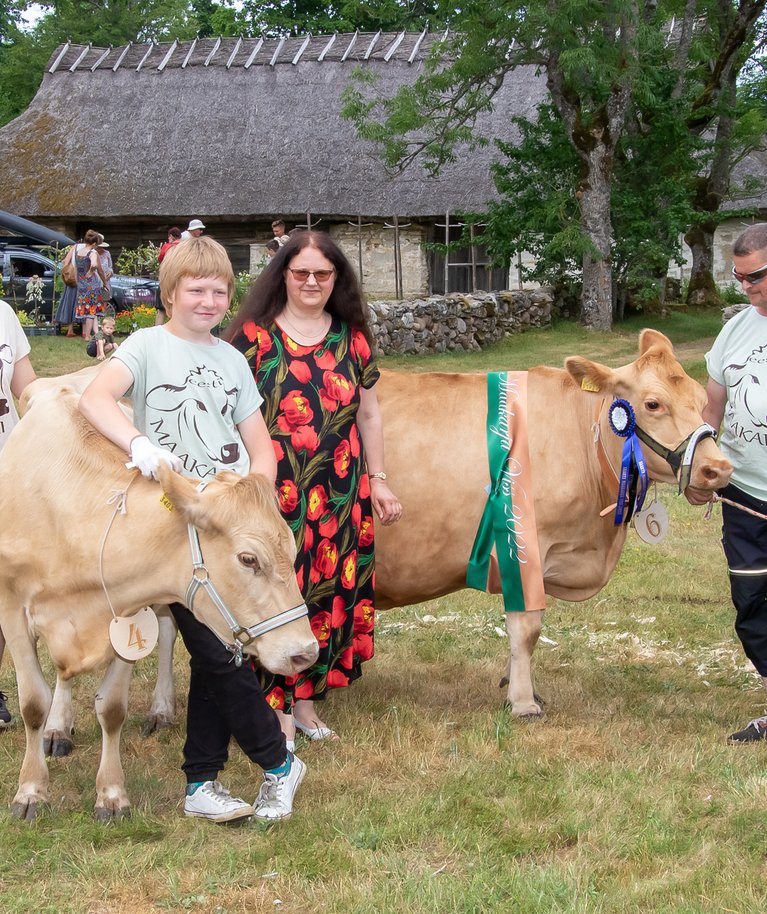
(680, 459)
(242, 636)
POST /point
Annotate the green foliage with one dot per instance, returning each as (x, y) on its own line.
(139, 261)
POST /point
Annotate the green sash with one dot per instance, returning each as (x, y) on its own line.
(497, 526)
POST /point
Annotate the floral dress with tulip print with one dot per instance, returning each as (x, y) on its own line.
(311, 396)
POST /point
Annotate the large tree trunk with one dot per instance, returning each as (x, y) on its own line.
(597, 299)
(702, 288)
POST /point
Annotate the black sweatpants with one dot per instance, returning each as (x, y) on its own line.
(225, 701)
(744, 538)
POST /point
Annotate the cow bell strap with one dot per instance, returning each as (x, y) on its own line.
(680, 459)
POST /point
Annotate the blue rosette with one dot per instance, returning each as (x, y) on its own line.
(633, 480)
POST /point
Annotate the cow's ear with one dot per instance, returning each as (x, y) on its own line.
(180, 494)
(589, 375)
(649, 337)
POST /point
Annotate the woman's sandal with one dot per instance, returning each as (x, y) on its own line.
(316, 733)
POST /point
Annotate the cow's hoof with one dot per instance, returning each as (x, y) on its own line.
(57, 744)
(155, 722)
(27, 810)
(105, 814)
(524, 712)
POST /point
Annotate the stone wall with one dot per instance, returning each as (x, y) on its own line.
(458, 321)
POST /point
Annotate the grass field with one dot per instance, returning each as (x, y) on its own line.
(624, 799)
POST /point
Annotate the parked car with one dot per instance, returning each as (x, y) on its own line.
(18, 264)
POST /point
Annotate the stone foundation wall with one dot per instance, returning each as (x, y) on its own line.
(458, 321)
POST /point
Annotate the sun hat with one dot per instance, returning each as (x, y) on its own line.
(195, 224)
(103, 244)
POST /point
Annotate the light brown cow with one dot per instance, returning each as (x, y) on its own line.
(436, 460)
(56, 478)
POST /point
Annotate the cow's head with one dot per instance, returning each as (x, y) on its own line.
(667, 403)
(249, 552)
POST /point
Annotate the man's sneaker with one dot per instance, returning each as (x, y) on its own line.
(5, 714)
(275, 798)
(751, 733)
(213, 801)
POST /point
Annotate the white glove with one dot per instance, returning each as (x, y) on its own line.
(147, 457)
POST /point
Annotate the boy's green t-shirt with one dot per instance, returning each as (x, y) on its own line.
(189, 398)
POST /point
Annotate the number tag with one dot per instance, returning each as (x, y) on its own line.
(651, 523)
(134, 637)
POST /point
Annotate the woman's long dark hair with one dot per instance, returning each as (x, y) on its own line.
(269, 294)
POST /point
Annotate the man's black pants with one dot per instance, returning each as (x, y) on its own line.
(744, 538)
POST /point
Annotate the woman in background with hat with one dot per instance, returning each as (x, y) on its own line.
(194, 229)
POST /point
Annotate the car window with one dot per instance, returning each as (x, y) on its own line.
(25, 267)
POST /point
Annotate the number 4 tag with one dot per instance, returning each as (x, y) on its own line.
(134, 637)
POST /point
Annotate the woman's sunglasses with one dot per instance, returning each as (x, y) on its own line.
(319, 275)
(753, 278)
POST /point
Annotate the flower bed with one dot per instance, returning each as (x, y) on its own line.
(140, 316)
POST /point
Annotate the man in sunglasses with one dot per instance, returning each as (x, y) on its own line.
(737, 399)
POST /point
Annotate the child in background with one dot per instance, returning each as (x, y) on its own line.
(104, 342)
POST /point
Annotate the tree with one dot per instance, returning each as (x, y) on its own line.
(735, 126)
(590, 53)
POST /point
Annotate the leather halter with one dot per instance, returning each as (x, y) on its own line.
(242, 636)
(679, 459)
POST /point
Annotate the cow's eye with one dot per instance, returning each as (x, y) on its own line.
(249, 561)
(652, 405)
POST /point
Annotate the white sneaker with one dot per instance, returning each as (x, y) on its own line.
(275, 798)
(213, 801)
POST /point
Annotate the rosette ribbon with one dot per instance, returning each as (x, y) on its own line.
(632, 485)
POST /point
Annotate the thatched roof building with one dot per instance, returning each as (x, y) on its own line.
(228, 130)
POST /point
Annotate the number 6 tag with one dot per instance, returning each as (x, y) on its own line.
(651, 523)
(134, 637)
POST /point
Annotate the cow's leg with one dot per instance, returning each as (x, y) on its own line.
(523, 629)
(34, 703)
(57, 738)
(162, 711)
(111, 708)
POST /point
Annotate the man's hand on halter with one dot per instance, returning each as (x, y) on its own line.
(147, 457)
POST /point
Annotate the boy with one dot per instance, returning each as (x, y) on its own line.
(194, 400)
(104, 341)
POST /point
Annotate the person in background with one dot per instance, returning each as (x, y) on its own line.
(271, 248)
(193, 230)
(91, 281)
(737, 400)
(105, 259)
(16, 373)
(152, 366)
(278, 229)
(303, 328)
(174, 236)
(65, 310)
(103, 344)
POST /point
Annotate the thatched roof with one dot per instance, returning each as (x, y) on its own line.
(231, 128)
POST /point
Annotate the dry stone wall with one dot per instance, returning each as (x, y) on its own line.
(458, 321)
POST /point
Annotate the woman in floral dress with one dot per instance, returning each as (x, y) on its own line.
(91, 282)
(304, 329)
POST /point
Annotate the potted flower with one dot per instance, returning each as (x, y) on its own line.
(34, 300)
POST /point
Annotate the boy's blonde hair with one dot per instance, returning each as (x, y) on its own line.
(196, 257)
